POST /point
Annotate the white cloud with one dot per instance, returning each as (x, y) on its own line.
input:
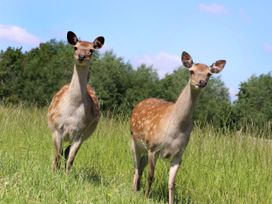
(163, 62)
(16, 34)
(212, 8)
(268, 47)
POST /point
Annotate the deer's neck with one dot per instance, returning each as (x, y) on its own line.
(78, 85)
(184, 106)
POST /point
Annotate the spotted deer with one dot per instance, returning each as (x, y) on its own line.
(161, 128)
(74, 111)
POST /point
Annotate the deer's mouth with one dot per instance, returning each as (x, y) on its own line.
(201, 85)
(80, 61)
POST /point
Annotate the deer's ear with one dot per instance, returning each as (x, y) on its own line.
(218, 66)
(72, 38)
(98, 42)
(187, 60)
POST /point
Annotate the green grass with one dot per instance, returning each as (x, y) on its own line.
(217, 167)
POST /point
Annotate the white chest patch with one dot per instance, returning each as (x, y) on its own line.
(75, 120)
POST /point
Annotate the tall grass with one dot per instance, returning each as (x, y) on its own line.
(218, 166)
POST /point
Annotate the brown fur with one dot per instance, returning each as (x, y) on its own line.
(145, 118)
(52, 110)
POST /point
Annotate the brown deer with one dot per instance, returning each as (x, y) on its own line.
(74, 111)
(160, 128)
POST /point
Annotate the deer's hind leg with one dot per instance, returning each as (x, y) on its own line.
(71, 152)
(57, 140)
(140, 162)
(152, 158)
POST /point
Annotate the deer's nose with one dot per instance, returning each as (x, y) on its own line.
(202, 83)
(81, 57)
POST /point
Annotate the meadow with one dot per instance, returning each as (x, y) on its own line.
(218, 166)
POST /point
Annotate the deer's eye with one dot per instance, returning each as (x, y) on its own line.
(75, 48)
(191, 72)
(209, 74)
(91, 51)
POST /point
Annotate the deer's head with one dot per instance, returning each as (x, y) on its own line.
(84, 49)
(200, 73)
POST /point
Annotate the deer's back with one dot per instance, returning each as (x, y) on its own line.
(147, 120)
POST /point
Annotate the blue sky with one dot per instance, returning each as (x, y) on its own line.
(152, 32)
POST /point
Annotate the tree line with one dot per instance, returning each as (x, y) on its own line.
(33, 77)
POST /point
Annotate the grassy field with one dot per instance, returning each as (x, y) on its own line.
(217, 167)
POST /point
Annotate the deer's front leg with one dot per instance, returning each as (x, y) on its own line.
(152, 158)
(175, 163)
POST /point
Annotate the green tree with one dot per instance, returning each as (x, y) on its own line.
(172, 84)
(254, 103)
(46, 70)
(11, 68)
(110, 76)
(143, 84)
